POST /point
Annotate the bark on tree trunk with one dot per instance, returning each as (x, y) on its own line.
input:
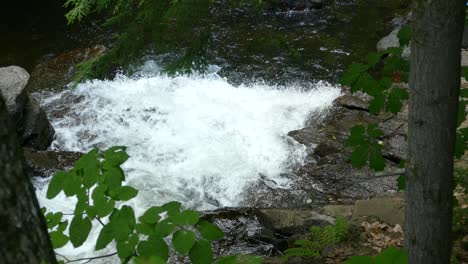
(434, 89)
(23, 232)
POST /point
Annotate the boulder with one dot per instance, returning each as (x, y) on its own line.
(13, 81)
(33, 128)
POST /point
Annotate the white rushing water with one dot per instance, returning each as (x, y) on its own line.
(194, 139)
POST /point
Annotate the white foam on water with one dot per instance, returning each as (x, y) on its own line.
(194, 139)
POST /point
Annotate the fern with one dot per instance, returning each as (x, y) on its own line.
(300, 252)
(321, 237)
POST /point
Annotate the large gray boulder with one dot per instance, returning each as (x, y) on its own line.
(33, 128)
(13, 80)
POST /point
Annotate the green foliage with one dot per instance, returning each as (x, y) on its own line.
(367, 146)
(96, 182)
(404, 36)
(391, 255)
(320, 238)
(142, 26)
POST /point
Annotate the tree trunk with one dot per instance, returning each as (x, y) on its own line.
(23, 232)
(434, 89)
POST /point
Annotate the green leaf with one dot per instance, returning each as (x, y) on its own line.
(401, 183)
(385, 83)
(53, 219)
(460, 145)
(359, 156)
(465, 73)
(374, 132)
(90, 167)
(56, 184)
(352, 74)
(377, 104)
(404, 36)
(201, 253)
(376, 160)
(123, 223)
(395, 99)
(145, 229)
(58, 239)
(116, 155)
(464, 93)
(105, 237)
(186, 217)
(210, 231)
(165, 227)
(151, 216)
(113, 176)
(461, 112)
(183, 241)
(392, 255)
(372, 59)
(154, 246)
(62, 226)
(72, 184)
(79, 230)
(357, 136)
(101, 204)
(367, 84)
(360, 260)
(127, 248)
(123, 193)
(171, 207)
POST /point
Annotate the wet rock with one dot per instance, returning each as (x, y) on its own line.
(46, 163)
(327, 177)
(246, 230)
(56, 73)
(33, 128)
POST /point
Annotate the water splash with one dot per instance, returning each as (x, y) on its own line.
(194, 139)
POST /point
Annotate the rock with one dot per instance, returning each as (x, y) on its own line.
(396, 134)
(46, 163)
(246, 230)
(391, 210)
(58, 72)
(351, 102)
(464, 59)
(287, 221)
(33, 128)
(36, 130)
(335, 210)
(389, 41)
(13, 80)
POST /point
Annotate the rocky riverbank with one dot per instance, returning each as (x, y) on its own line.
(326, 185)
